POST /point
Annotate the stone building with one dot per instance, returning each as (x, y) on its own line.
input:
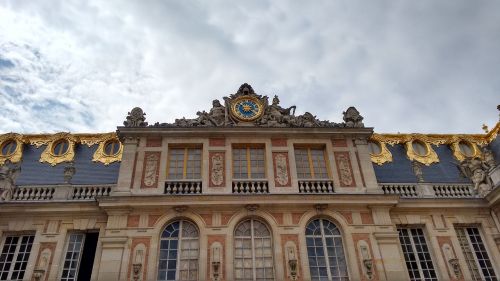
(249, 191)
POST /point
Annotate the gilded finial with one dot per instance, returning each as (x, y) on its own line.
(485, 128)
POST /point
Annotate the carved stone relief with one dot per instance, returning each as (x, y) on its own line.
(135, 118)
(8, 175)
(216, 169)
(281, 169)
(344, 169)
(151, 167)
(250, 109)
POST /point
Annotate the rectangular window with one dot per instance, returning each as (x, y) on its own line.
(311, 163)
(475, 254)
(184, 163)
(248, 163)
(79, 258)
(14, 257)
(417, 257)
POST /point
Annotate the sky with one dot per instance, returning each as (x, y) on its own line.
(408, 66)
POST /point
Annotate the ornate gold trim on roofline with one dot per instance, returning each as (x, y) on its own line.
(435, 139)
(48, 139)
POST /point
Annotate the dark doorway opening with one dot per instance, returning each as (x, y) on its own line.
(88, 255)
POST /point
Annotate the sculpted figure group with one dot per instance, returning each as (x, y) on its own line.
(8, 175)
(477, 170)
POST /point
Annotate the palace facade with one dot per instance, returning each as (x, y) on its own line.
(249, 191)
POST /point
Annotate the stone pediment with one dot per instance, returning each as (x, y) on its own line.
(247, 109)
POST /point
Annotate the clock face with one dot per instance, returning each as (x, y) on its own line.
(246, 108)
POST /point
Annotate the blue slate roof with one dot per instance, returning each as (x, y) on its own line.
(400, 169)
(495, 148)
(87, 172)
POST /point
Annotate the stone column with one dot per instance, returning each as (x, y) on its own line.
(127, 166)
(387, 240)
(115, 252)
(366, 166)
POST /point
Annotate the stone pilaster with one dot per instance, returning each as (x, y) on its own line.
(127, 167)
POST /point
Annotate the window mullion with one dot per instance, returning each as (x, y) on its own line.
(179, 254)
(417, 259)
(311, 163)
(184, 168)
(252, 236)
(325, 250)
(249, 165)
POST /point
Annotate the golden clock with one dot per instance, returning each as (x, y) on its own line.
(247, 108)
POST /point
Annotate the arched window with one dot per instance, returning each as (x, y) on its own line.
(325, 251)
(253, 252)
(179, 252)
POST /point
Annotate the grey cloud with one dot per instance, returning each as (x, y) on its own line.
(420, 66)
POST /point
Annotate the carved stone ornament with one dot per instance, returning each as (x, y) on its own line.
(281, 169)
(417, 170)
(135, 118)
(14, 149)
(344, 169)
(69, 172)
(217, 173)
(476, 169)
(352, 118)
(246, 108)
(101, 156)
(151, 167)
(8, 175)
(49, 155)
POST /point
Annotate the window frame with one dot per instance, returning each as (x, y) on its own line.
(186, 148)
(253, 248)
(415, 252)
(179, 245)
(310, 161)
(473, 251)
(16, 252)
(324, 244)
(78, 260)
(248, 159)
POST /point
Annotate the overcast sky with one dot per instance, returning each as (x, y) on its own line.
(407, 66)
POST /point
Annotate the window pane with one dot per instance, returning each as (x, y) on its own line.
(73, 254)
(179, 252)
(472, 245)
(325, 251)
(253, 254)
(417, 257)
(14, 257)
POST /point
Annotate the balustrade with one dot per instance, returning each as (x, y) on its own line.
(250, 186)
(183, 187)
(453, 191)
(316, 186)
(90, 192)
(33, 193)
(403, 190)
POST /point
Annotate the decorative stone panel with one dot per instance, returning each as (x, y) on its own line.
(339, 142)
(139, 255)
(289, 243)
(279, 142)
(216, 142)
(153, 142)
(344, 169)
(44, 259)
(219, 242)
(450, 258)
(364, 253)
(217, 166)
(151, 169)
(281, 167)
